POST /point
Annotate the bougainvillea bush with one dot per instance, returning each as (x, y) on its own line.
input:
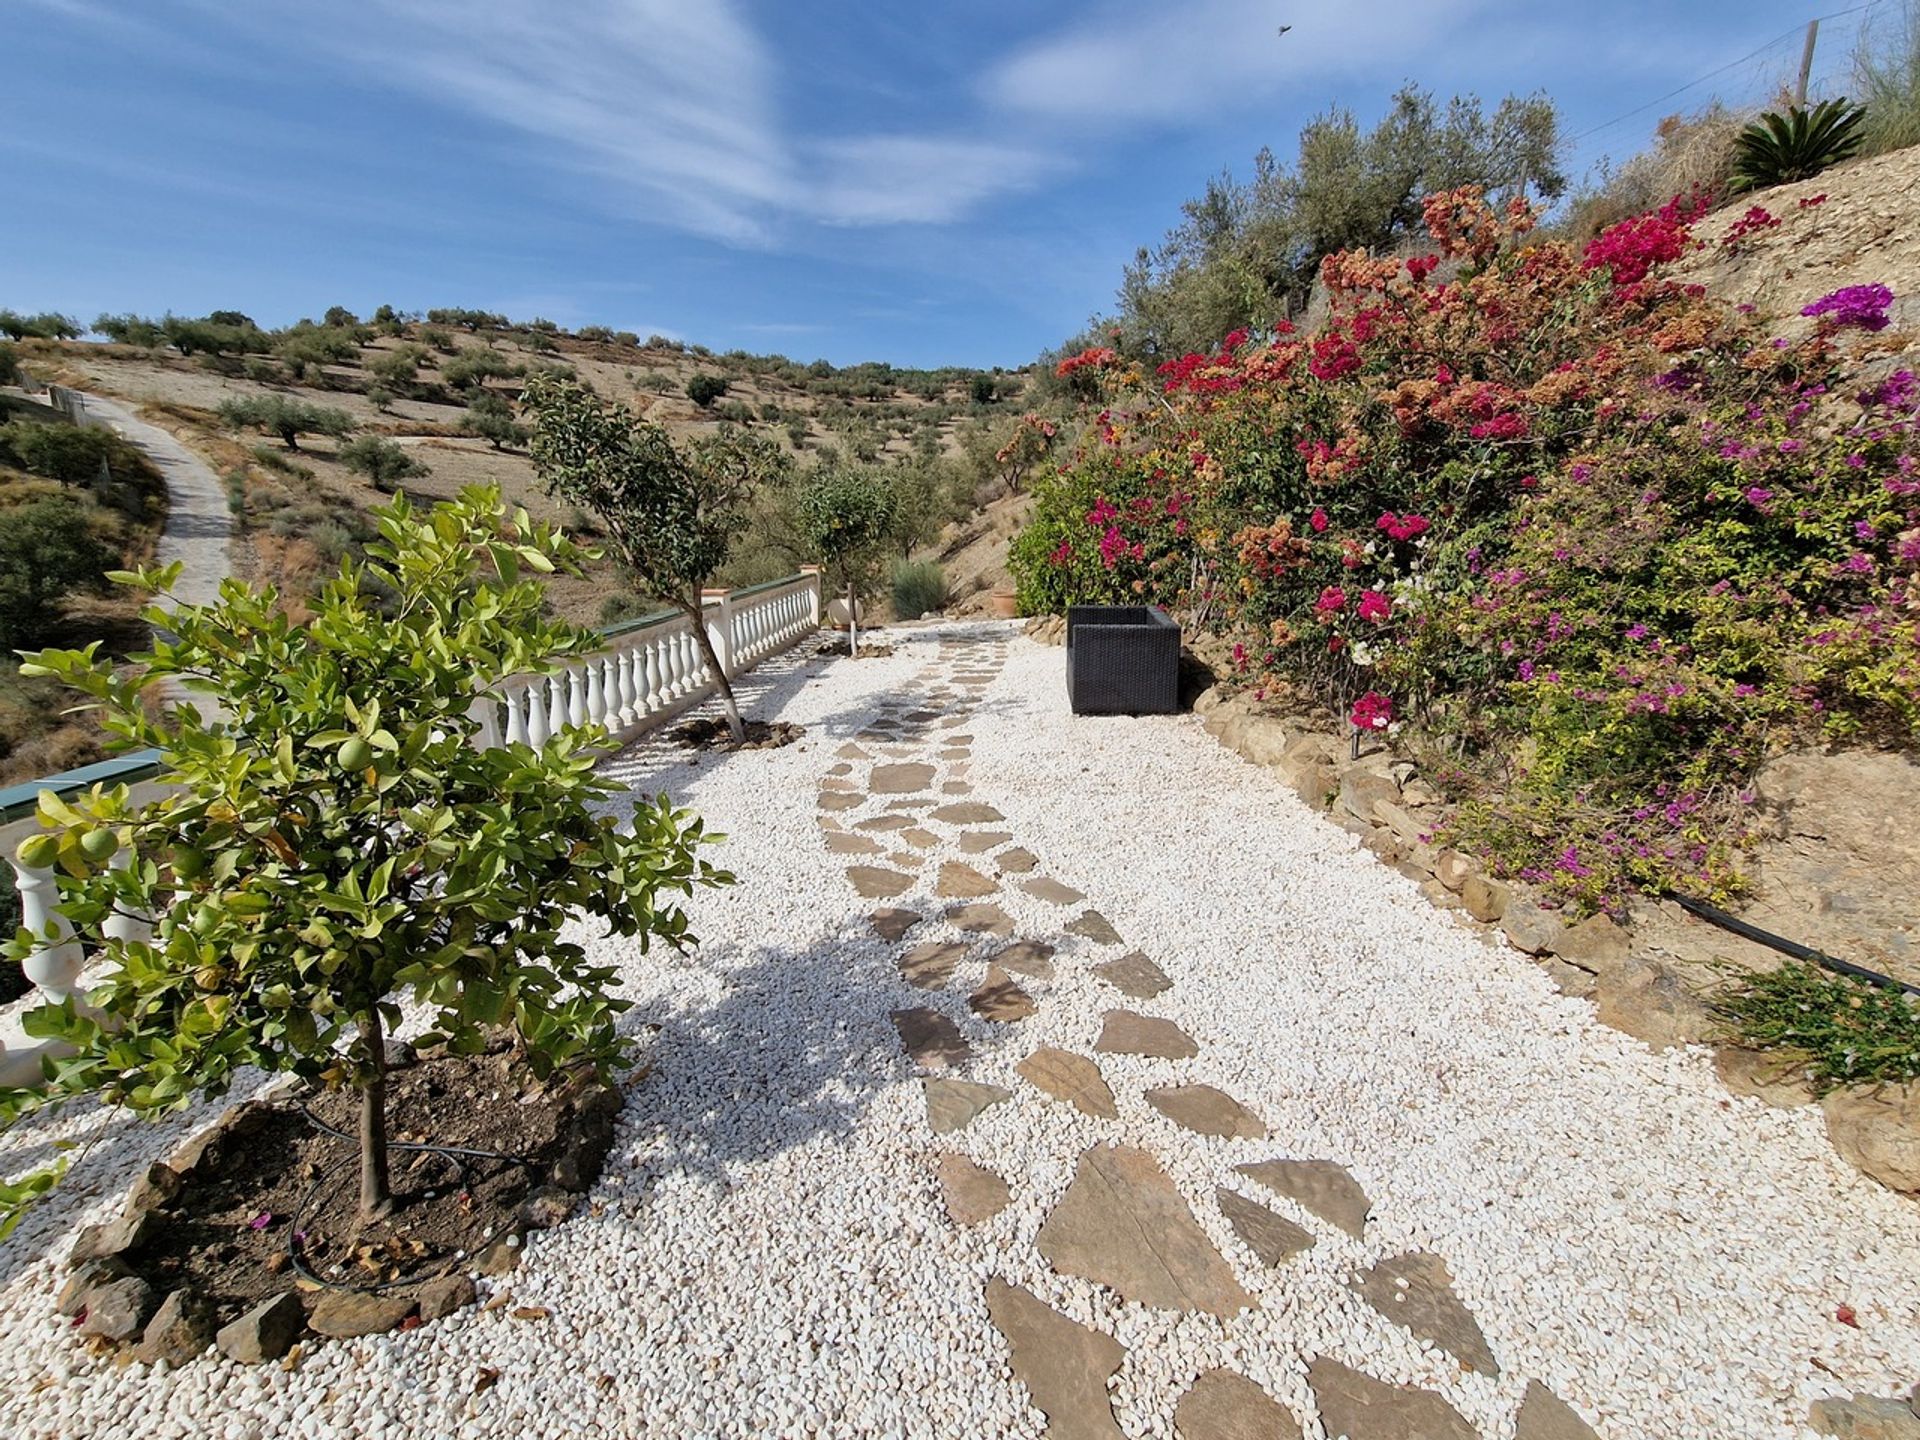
(1590, 540)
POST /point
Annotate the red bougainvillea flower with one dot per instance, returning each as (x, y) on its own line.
(1101, 514)
(1403, 527)
(1094, 357)
(1332, 601)
(1318, 520)
(1375, 606)
(1372, 711)
(1062, 553)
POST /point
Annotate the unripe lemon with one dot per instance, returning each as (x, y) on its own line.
(189, 864)
(38, 851)
(354, 754)
(99, 845)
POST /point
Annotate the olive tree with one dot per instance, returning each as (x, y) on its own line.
(670, 512)
(846, 516)
(384, 462)
(334, 840)
(286, 417)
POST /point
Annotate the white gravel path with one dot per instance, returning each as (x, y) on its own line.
(770, 1255)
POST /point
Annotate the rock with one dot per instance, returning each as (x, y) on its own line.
(1274, 1238)
(1412, 831)
(154, 1190)
(1416, 1291)
(1545, 1416)
(930, 964)
(119, 1310)
(891, 924)
(1221, 1405)
(1361, 791)
(1000, 1000)
(266, 1332)
(981, 917)
(441, 1298)
(1595, 944)
(181, 1329)
(1069, 1077)
(1485, 898)
(1093, 926)
(960, 881)
(1123, 1032)
(845, 842)
(1528, 928)
(968, 812)
(1355, 1404)
(1650, 1002)
(547, 1207)
(1878, 1130)
(931, 1040)
(953, 1104)
(978, 842)
(899, 779)
(1052, 891)
(1135, 975)
(1321, 1186)
(1207, 1111)
(1122, 1224)
(1568, 979)
(1766, 1075)
(116, 1237)
(881, 823)
(1015, 861)
(1865, 1417)
(875, 882)
(836, 800)
(1314, 783)
(499, 1258)
(348, 1314)
(1064, 1365)
(1262, 739)
(1027, 957)
(1453, 870)
(73, 1294)
(973, 1192)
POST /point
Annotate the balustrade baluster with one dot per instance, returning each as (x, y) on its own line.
(597, 689)
(54, 966)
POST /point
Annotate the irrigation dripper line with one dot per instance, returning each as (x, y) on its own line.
(1733, 923)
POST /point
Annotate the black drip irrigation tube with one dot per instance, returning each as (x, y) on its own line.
(1715, 916)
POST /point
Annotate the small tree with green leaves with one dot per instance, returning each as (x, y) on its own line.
(384, 462)
(703, 389)
(670, 512)
(846, 516)
(335, 841)
(47, 552)
(286, 417)
(491, 418)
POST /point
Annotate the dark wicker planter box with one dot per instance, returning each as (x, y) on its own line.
(1122, 660)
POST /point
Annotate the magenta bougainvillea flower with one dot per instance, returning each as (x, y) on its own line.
(1372, 711)
(1862, 307)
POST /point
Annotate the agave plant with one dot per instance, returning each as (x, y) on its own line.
(1778, 148)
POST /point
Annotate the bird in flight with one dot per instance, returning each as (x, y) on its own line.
(1285, 28)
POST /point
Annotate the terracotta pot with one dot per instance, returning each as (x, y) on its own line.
(1006, 604)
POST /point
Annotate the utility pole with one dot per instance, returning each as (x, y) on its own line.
(1806, 65)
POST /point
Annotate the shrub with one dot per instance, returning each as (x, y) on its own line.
(472, 367)
(1780, 148)
(73, 455)
(490, 418)
(384, 462)
(422, 867)
(703, 389)
(381, 398)
(919, 588)
(286, 417)
(47, 552)
(1886, 70)
(982, 390)
(9, 365)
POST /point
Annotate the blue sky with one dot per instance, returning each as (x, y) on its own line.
(924, 183)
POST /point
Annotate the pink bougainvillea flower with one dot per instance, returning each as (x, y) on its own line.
(261, 1221)
(1318, 520)
(1375, 606)
(1372, 711)
(1332, 601)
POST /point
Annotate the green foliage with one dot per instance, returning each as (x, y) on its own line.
(338, 317)
(18, 1196)
(286, 417)
(467, 319)
(473, 367)
(47, 552)
(384, 462)
(703, 389)
(919, 587)
(222, 333)
(1780, 148)
(981, 389)
(70, 454)
(131, 330)
(334, 841)
(399, 368)
(307, 349)
(845, 515)
(1886, 70)
(9, 365)
(46, 326)
(1850, 1033)
(491, 418)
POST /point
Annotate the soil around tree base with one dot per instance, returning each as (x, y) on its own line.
(711, 733)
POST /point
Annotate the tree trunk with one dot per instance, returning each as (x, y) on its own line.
(736, 727)
(376, 1193)
(853, 622)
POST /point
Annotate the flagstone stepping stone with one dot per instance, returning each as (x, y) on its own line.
(956, 787)
(843, 768)
(840, 800)
(1016, 861)
(1122, 1224)
(876, 883)
(960, 881)
(973, 1192)
(899, 779)
(950, 722)
(1545, 1416)
(975, 842)
(1064, 1365)
(1122, 1032)
(1274, 1238)
(919, 839)
(981, 917)
(1221, 1405)
(955, 754)
(1360, 1407)
(850, 751)
(1415, 1290)
(834, 783)
(920, 717)
(842, 842)
(969, 812)
(1094, 926)
(1134, 975)
(999, 999)
(1052, 891)
(958, 740)
(920, 804)
(885, 822)
(929, 965)
(1207, 1111)
(891, 924)
(1069, 1077)
(1032, 958)
(952, 1104)
(931, 1040)
(1320, 1185)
